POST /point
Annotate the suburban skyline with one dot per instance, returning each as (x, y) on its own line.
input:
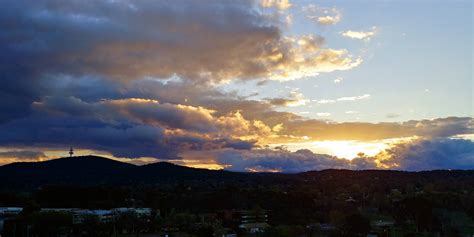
(284, 86)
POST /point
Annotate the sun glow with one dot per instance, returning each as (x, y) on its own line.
(348, 149)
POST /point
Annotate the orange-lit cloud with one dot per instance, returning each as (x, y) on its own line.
(278, 4)
(322, 15)
(404, 154)
(144, 80)
(216, 41)
(10, 156)
(399, 154)
(295, 99)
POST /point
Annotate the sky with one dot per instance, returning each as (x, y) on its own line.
(242, 85)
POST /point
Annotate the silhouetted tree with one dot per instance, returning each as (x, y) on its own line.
(355, 225)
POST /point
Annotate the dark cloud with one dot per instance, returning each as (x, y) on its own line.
(293, 99)
(279, 160)
(126, 127)
(171, 118)
(159, 126)
(122, 140)
(132, 39)
(136, 79)
(439, 153)
(281, 101)
(421, 154)
(51, 46)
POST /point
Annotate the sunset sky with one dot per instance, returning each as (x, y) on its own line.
(285, 86)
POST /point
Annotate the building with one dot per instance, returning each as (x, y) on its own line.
(254, 221)
(10, 211)
(254, 228)
(7, 212)
(253, 216)
(139, 212)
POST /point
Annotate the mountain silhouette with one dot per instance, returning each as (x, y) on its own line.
(100, 171)
(96, 170)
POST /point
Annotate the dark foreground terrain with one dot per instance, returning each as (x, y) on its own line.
(94, 196)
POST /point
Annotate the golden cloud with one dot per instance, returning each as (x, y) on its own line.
(278, 4)
(322, 15)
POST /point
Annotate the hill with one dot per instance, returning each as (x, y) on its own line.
(100, 171)
(95, 170)
(83, 169)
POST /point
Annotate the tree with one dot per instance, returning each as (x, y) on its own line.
(336, 217)
(30, 208)
(51, 223)
(205, 231)
(355, 225)
(420, 210)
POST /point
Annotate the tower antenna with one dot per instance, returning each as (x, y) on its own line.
(71, 152)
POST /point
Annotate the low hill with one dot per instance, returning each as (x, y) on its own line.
(95, 170)
(100, 171)
(83, 169)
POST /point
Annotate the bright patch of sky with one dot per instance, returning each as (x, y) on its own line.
(417, 65)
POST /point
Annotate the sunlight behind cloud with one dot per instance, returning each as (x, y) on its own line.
(348, 149)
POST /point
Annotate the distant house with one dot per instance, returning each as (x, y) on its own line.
(253, 216)
(10, 211)
(104, 216)
(208, 218)
(225, 232)
(327, 227)
(7, 212)
(79, 215)
(321, 227)
(254, 221)
(370, 210)
(350, 200)
(229, 235)
(253, 228)
(382, 223)
(139, 212)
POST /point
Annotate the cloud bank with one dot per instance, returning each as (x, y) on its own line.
(140, 79)
(417, 155)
